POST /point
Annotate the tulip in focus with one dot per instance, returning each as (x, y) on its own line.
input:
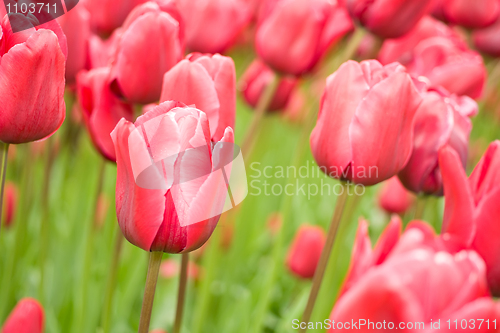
(488, 40)
(101, 109)
(212, 26)
(394, 198)
(471, 14)
(441, 120)
(170, 188)
(295, 34)
(364, 131)
(148, 46)
(32, 80)
(11, 195)
(27, 317)
(257, 77)
(389, 18)
(305, 251)
(207, 82)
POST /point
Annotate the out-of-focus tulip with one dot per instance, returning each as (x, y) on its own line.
(101, 52)
(32, 81)
(170, 268)
(389, 18)
(257, 77)
(107, 15)
(394, 198)
(472, 206)
(471, 14)
(446, 64)
(11, 195)
(101, 109)
(27, 317)
(147, 47)
(401, 49)
(305, 251)
(274, 222)
(295, 34)
(488, 40)
(441, 120)
(76, 27)
(170, 189)
(209, 83)
(212, 26)
(364, 131)
(158, 331)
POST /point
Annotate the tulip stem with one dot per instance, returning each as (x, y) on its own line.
(110, 284)
(181, 296)
(420, 207)
(4, 147)
(325, 254)
(149, 291)
(261, 109)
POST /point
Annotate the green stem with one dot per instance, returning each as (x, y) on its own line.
(149, 291)
(110, 284)
(325, 255)
(420, 207)
(259, 112)
(181, 296)
(4, 150)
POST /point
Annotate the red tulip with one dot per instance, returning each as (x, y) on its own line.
(257, 77)
(27, 317)
(488, 40)
(76, 27)
(32, 81)
(170, 189)
(471, 14)
(107, 15)
(209, 83)
(394, 198)
(364, 131)
(147, 47)
(305, 251)
(389, 18)
(11, 195)
(442, 119)
(102, 110)
(295, 34)
(212, 26)
(446, 64)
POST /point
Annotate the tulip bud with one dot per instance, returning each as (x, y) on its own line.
(488, 40)
(394, 198)
(101, 109)
(148, 46)
(364, 130)
(471, 14)
(389, 18)
(212, 26)
(32, 68)
(257, 77)
(107, 15)
(209, 83)
(101, 52)
(305, 251)
(27, 317)
(295, 34)
(170, 187)
(11, 195)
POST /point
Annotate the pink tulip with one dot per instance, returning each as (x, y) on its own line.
(364, 131)
(488, 40)
(11, 195)
(101, 109)
(76, 27)
(170, 268)
(212, 26)
(257, 77)
(148, 46)
(158, 331)
(295, 34)
(107, 15)
(305, 251)
(170, 189)
(395, 198)
(102, 52)
(389, 18)
(209, 83)
(441, 120)
(471, 14)
(32, 80)
(446, 64)
(27, 317)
